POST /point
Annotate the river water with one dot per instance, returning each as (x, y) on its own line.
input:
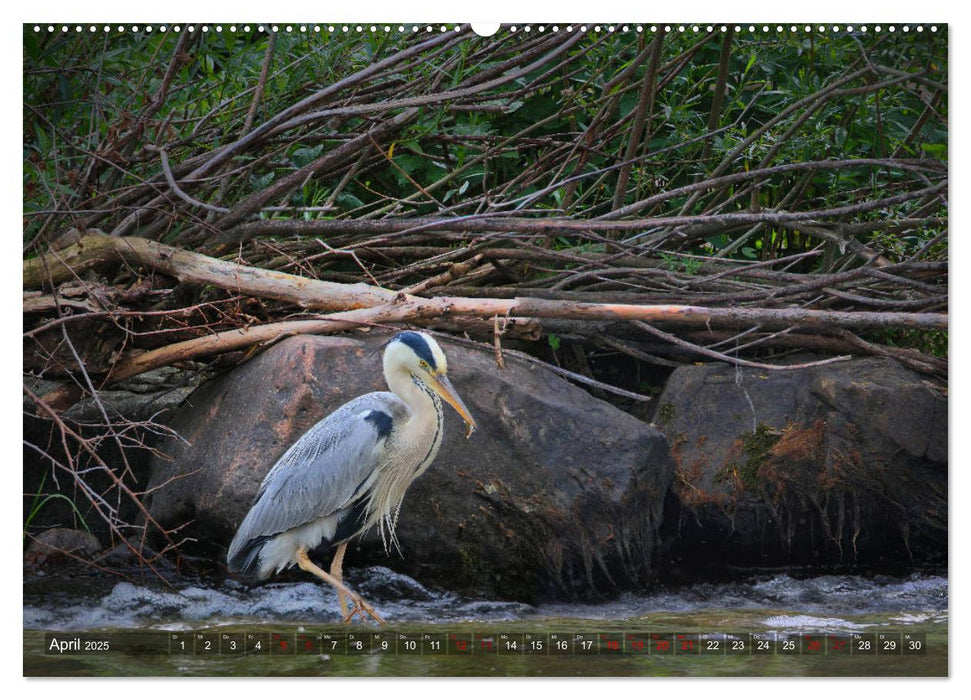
(775, 625)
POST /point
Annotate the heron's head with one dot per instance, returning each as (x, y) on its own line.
(418, 355)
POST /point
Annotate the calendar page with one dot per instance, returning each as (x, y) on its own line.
(517, 349)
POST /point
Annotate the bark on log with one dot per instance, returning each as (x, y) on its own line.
(97, 249)
(331, 296)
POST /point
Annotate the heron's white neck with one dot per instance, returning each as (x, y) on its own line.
(416, 442)
(423, 402)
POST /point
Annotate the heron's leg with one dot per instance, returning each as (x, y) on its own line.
(337, 571)
(360, 606)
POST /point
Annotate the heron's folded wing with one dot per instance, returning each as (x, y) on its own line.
(326, 469)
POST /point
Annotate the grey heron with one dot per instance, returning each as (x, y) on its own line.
(350, 471)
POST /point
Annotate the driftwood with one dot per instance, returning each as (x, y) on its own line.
(97, 249)
(359, 305)
(318, 295)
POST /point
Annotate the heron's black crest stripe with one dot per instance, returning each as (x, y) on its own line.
(417, 343)
(381, 421)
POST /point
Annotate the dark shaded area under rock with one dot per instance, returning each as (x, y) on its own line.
(139, 409)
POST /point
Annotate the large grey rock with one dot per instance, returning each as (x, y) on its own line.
(843, 463)
(557, 494)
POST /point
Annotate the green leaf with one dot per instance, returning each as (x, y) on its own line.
(410, 145)
(348, 201)
(410, 164)
(627, 103)
(261, 182)
(301, 156)
(467, 129)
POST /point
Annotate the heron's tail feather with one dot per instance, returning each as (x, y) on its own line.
(246, 560)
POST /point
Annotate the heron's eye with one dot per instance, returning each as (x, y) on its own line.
(423, 364)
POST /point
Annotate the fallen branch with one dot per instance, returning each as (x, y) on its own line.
(174, 186)
(97, 249)
(332, 296)
(419, 310)
(241, 338)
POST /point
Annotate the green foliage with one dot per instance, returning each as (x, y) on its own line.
(81, 92)
(932, 342)
(677, 263)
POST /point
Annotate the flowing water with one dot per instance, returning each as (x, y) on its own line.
(766, 626)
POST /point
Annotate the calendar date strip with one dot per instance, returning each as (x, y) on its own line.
(687, 644)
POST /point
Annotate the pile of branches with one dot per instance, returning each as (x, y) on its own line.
(668, 197)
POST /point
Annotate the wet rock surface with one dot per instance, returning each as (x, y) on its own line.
(840, 464)
(557, 494)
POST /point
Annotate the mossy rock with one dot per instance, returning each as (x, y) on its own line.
(840, 464)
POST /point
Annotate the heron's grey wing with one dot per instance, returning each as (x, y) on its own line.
(325, 470)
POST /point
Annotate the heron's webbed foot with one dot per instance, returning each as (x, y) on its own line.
(361, 607)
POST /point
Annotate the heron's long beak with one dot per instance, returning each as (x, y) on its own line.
(443, 387)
